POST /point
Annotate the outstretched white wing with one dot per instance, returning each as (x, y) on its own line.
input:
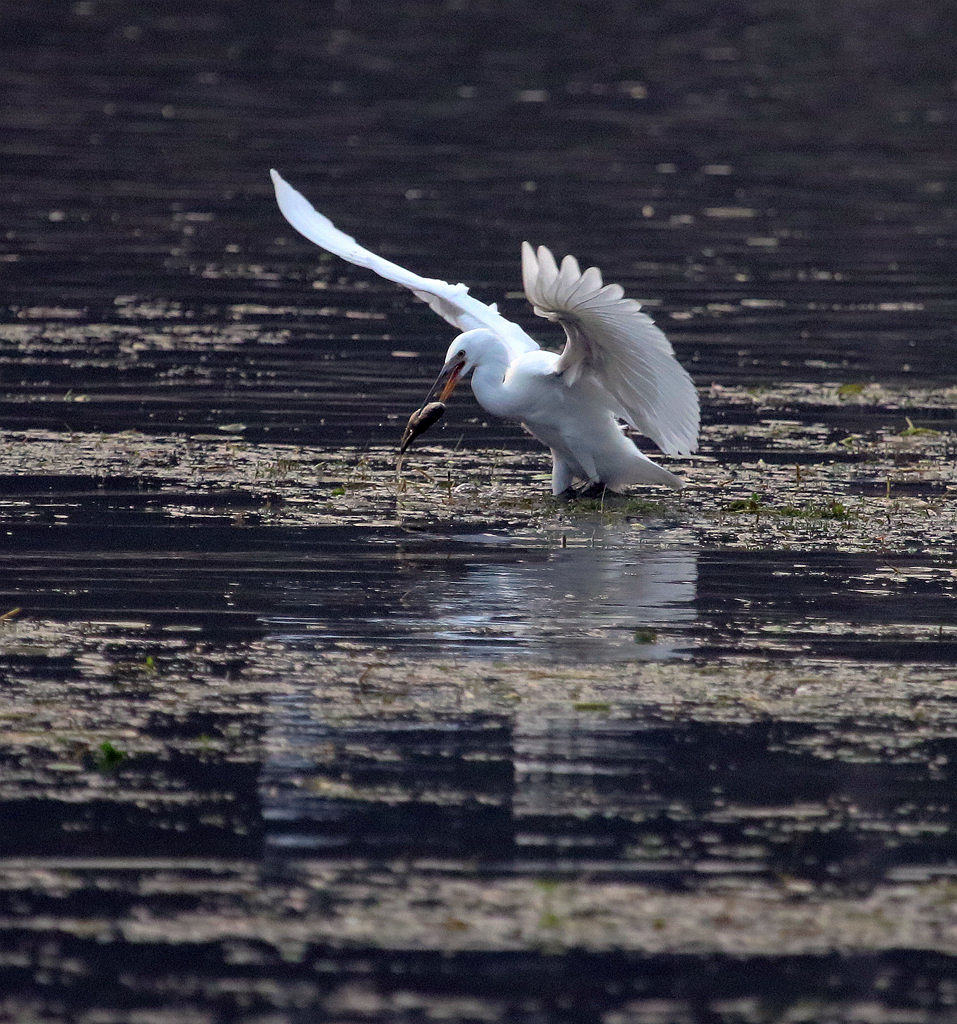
(618, 345)
(451, 301)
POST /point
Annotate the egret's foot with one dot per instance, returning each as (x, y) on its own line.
(593, 490)
(569, 494)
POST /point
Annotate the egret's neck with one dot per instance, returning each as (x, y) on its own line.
(488, 380)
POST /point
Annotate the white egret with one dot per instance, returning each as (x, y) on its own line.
(616, 364)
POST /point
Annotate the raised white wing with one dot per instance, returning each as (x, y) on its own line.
(618, 345)
(451, 301)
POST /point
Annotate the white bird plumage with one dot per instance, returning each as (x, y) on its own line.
(616, 363)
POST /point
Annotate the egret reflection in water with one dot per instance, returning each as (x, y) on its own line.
(495, 595)
(590, 601)
(490, 778)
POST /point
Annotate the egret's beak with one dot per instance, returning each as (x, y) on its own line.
(446, 381)
(433, 406)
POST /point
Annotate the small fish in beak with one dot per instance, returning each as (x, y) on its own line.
(430, 412)
(420, 421)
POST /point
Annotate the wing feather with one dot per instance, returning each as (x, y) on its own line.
(609, 338)
(451, 301)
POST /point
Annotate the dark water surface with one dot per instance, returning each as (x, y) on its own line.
(517, 765)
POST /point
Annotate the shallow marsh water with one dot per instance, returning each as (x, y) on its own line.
(288, 739)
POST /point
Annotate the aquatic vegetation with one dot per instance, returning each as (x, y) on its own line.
(833, 509)
(612, 505)
(281, 467)
(911, 431)
(756, 505)
(753, 504)
(107, 758)
(645, 636)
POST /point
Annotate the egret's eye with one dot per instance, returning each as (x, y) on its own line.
(461, 354)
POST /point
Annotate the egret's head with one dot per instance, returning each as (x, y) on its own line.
(464, 354)
(471, 347)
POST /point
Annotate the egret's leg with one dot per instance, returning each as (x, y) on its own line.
(593, 487)
(561, 475)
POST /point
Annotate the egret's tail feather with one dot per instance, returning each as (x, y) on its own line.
(641, 470)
